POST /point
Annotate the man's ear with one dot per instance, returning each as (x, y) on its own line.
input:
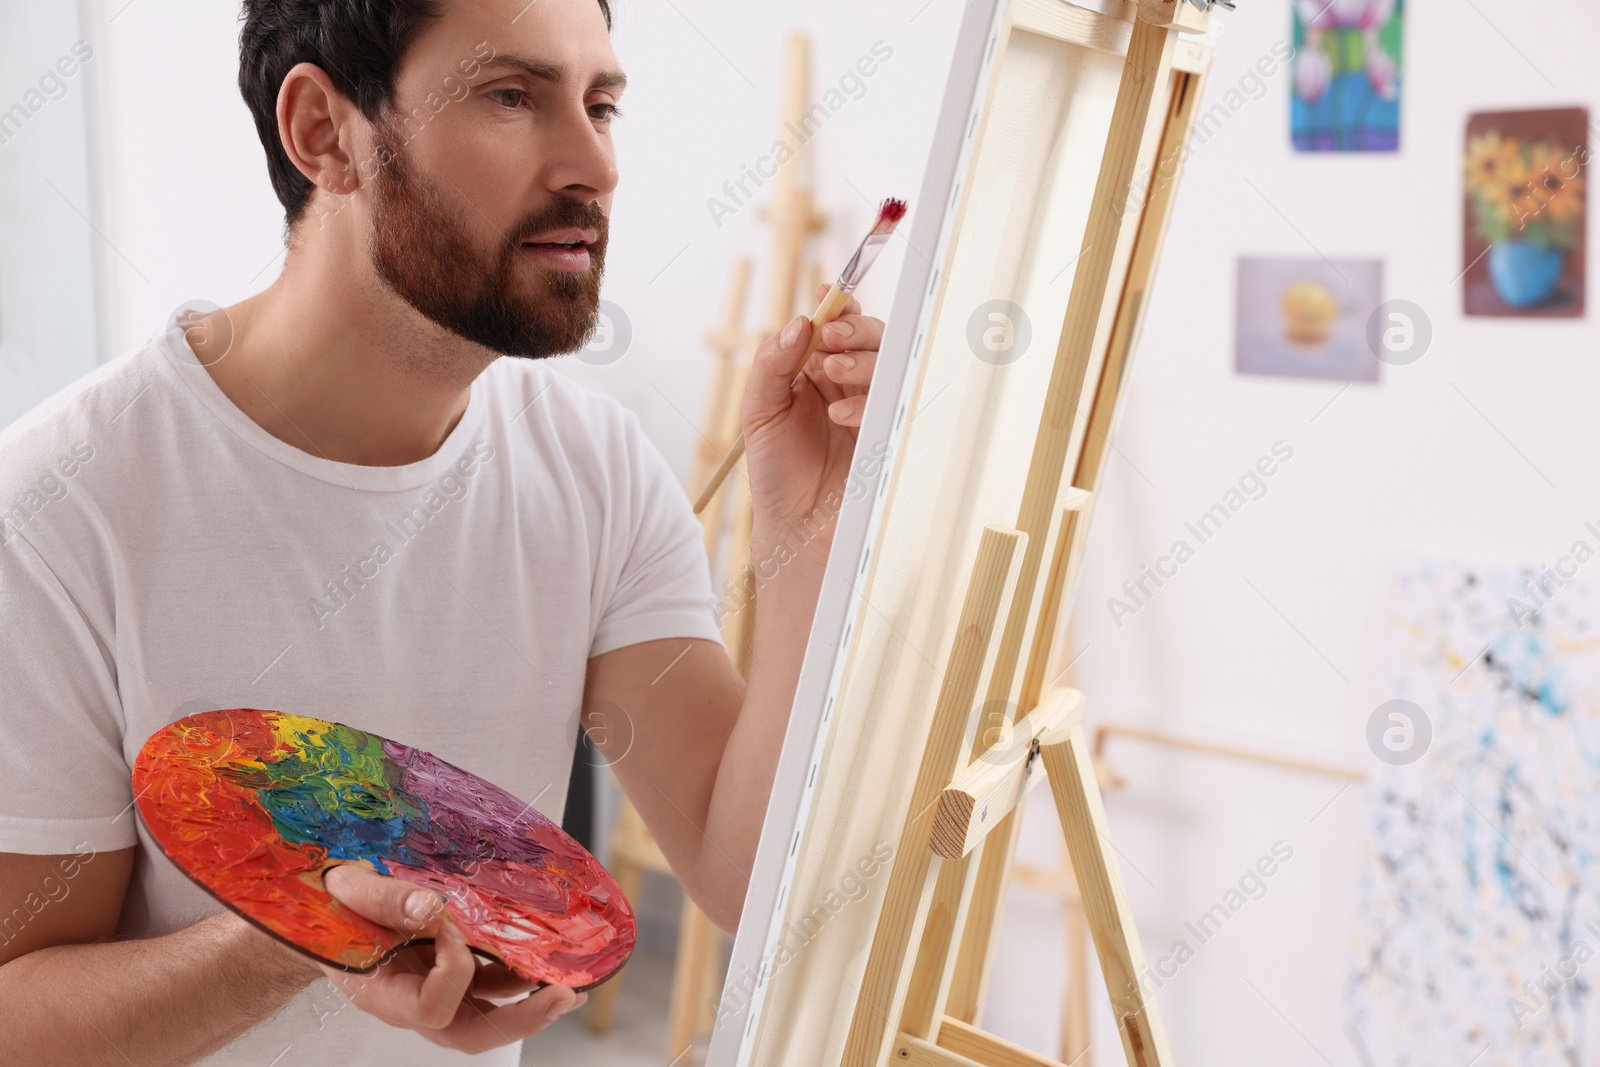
(318, 127)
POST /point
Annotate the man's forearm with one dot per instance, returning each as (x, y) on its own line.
(164, 1000)
(785, 605)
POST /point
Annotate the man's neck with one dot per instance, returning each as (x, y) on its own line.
(329, 360)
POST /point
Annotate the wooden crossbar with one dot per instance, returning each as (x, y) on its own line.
(994, 783)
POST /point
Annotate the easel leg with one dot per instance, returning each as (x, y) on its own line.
(930, 978)
(971, 981)
(1075, 1017)
(603, 1001)
(1105, 902)
(908, 898)
(696, 942)
(978, 936)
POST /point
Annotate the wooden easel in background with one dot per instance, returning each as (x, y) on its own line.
(697, 976)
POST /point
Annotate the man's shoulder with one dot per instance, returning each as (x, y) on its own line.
(75, 424)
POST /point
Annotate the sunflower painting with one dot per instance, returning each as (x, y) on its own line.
(1525, 184)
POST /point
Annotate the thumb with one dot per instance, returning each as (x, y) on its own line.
(772, 369)
(401, 906)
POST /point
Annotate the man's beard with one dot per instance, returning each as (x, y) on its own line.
(424, 250)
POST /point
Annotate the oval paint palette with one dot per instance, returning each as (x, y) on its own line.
(255, 805)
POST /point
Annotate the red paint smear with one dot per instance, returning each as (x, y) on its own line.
(566, 938)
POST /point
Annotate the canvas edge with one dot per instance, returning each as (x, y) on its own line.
(977, 41)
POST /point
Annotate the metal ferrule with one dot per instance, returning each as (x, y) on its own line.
(856, 269)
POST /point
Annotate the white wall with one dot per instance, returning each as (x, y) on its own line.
(1443, 455)
(47, 249)
(1483, 448)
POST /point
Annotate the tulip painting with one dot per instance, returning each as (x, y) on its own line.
(1347, 75)
(1525, 179)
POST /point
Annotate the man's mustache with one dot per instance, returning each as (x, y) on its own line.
(564, 214)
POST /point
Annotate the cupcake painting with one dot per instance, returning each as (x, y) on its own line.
(1307, 318)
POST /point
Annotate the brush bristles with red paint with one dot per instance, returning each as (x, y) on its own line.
(890, 212)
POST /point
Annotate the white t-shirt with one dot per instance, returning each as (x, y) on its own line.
(162, 554)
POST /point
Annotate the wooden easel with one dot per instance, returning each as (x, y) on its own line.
(975, 770)
(726, 523)
(1058, 881)
(793, 217)
(997, 720)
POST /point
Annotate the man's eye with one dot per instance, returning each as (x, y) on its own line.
(517, 93)
(604, 112)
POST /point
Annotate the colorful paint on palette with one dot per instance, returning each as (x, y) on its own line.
(254, 806)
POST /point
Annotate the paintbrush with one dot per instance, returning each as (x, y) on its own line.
(890, 212)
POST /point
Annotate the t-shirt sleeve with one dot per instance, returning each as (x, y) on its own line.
(64, 782)
(662, 580)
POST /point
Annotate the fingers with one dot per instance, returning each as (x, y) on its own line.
(842, 364)
(496, 981)
(480, 1026)
(398, 905)
(853, 307)
(435, 1001)
(445, 994)
(416, 990)
(848, 412)
(851, 368)
(772, 369)
(439, 990)
(849, 332)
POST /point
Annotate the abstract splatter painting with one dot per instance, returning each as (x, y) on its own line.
(1479, 897)
(255, 805)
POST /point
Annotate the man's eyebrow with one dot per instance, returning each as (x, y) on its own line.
(551, 72)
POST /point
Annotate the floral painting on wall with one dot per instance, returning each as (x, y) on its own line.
(1347, 75)
(1524, 250)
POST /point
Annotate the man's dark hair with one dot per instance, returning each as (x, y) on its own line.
(359, 43)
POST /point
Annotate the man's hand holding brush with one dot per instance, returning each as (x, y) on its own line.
(800, 431)
(801, 411)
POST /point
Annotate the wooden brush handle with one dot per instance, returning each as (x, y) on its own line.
(826, 312)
